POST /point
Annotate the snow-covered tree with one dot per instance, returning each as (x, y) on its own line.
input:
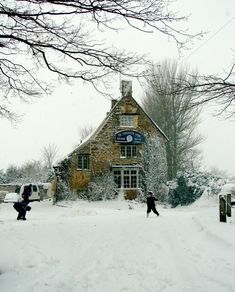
(154, 167)
(62, 180)
(189, 186)
(31, 171)
(3, 177)
(13, 174)
(185, 193)
(102, 187)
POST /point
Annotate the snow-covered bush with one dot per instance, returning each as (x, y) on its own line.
(62, 191)
(62, 181)
(185, 193)
(102, 187)
(189, 186)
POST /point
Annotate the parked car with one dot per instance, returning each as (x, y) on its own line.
(35, 195)
(11, 198)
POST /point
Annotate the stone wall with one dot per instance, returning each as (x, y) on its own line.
(101, 147)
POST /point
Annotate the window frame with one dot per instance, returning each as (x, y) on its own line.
(85, 162)
(131, 148)
(127, 178)
(126, 121)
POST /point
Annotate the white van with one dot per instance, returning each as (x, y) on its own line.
(35, 195)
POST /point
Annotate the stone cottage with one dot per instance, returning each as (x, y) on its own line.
(115, 147)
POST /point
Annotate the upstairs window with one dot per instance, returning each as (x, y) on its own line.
(83, 161)
(128, 151)
(126, 121)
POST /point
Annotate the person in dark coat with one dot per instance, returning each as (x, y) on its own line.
(21, 208)
(151, 204)
(27, 193)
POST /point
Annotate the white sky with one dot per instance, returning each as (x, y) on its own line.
(56, 119)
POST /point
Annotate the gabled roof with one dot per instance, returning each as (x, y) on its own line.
(93, 134)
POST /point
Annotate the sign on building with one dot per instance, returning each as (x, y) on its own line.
(131, 137)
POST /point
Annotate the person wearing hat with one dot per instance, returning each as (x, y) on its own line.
(151, 204)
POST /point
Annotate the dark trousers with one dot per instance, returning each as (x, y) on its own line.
(21, 210)
(152, 208)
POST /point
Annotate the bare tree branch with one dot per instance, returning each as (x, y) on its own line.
(49, 153)
(215, 89)
(53, 35)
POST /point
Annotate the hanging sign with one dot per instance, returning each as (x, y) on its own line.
(131, 137)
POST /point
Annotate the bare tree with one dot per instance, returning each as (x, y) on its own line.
(62, 37)
(85, 131)
(211, 88)
(171, 109)
(49, 153)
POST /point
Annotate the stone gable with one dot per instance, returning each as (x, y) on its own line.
(101, 148)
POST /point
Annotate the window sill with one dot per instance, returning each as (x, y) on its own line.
(134, 157)
(126, 189)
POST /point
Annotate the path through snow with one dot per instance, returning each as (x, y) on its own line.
(105, 246)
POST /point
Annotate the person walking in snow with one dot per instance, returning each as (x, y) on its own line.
(151, 204)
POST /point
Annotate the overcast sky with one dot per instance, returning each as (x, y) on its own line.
(56, 119)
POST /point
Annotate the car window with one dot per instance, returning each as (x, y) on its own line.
(35, 188)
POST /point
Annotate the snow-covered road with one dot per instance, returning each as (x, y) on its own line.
(107, 247)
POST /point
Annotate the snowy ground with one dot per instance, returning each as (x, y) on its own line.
(107, 247)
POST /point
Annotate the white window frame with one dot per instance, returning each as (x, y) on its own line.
(126, 121)
(124, 151)
(85, 159)
(128, 173)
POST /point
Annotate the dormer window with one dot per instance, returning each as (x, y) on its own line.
(126, 121)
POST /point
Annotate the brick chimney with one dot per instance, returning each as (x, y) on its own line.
(126, 88)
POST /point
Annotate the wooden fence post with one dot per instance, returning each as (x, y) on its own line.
(229, 210)
(222, 208)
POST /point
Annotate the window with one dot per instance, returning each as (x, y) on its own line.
(83, 161)
(126, 178)
(35, 188)
(128, 151)
(126, 121)
(130, 179)
(117, 178)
